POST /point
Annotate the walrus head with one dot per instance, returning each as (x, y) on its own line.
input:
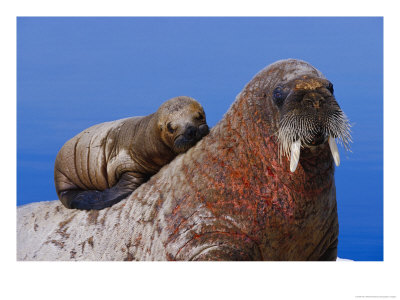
(182, 123)
(299, 108)
(309, 117)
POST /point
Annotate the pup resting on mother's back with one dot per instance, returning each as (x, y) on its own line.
(105, 163)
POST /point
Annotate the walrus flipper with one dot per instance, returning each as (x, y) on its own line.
(93, 199)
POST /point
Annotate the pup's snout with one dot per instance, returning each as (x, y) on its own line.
(203, 130)
(190, 133)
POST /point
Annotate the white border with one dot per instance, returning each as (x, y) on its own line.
(205, 280)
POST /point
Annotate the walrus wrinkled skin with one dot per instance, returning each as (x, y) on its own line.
(233, 196)
(106, 162)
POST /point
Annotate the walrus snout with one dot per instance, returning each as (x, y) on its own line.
(203, 130)
(190, 133)
(315, 100)
(195, 133)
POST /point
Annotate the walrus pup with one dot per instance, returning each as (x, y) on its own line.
(106, 162)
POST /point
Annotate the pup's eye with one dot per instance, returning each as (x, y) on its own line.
(169, 127)
(330, 87)
(278, 95)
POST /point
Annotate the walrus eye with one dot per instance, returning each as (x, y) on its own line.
(278, 96)
(169, 127)
(330, 87)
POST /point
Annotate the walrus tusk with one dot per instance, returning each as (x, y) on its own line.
(334, 150)
(294, 155)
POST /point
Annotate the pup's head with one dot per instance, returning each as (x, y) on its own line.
(182, 123)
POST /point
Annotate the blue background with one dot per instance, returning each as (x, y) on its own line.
(76, 72)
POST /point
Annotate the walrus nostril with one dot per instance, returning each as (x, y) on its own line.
(190, 132)
(314, 100)
(316, 103)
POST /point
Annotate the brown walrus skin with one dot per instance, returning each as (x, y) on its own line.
(106, 162)
(230, 197)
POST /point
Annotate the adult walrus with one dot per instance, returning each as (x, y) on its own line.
(230, 197)
(105, 163)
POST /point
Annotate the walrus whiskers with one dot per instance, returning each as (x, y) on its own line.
(295, 130)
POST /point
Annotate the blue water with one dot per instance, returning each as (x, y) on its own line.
(76, 72)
